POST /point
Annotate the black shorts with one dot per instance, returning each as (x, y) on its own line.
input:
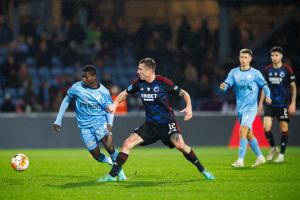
(281, 113)
(151, 133)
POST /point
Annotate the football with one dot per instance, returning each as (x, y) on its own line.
(20, 162)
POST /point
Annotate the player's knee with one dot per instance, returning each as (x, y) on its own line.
(266, 129)
(180, 146)
(128, 144)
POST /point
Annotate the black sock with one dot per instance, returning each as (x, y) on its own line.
(284, 140)
(269, 136)
(193, 159)
(121, 159)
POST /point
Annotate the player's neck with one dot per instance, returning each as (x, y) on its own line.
(151, 78)
(245, 67)
(277, 65)
(94, 85)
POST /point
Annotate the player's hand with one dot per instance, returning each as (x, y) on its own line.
(268, 100)
(56, 128)
(188, 113)
(292, 109)
(111, 108)
(223, 86)
(109, 127)
(260, 109)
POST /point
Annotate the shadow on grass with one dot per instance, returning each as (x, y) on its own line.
(124, 184)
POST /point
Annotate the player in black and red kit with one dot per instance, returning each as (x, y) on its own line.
(160, 121)
(281, 81)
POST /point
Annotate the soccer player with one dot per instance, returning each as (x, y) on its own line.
(92, 100)
(280, 78)
(246, 82)
(160, 121)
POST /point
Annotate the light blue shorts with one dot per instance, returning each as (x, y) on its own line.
(91, 136)
(247, 118)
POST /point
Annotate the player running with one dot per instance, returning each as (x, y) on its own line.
(246, 82)
(280, 78)
(92, 100)
(160, 121)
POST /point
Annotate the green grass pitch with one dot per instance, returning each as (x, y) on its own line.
(153, 173)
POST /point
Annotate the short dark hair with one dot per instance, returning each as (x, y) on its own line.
(149, 62)
(248, 51)
(276, 49)
(90, 69)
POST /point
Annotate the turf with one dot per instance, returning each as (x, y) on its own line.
(153, 173)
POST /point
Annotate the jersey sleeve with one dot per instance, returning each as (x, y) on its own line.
(71, 93)
(172, 88)
(261, 82)
(133, 87)
(229, 80)
(291, 74)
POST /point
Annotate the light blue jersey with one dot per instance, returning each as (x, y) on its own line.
(246, 85)
(92, 118)
(90, 103)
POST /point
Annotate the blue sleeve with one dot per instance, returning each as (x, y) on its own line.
(63, 107)
(110, 118)
(260, 80)
(108, 101)
(229, 81)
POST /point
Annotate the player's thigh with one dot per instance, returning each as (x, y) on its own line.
(282, 115)
(246, 122)
(88, 139)
(146, 133)
(170, 134)
(100, 132)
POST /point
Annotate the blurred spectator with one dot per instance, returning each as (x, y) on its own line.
(8, 105)
(122, 107)
(5, 32)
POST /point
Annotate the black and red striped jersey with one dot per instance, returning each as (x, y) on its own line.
(155, 97)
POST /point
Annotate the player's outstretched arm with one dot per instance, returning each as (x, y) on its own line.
(63, 107)
(292, 106)
(261, 102)
(188, 109)
(121, 97)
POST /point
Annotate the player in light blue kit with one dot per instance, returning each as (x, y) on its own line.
(246, 82)
(91, 99)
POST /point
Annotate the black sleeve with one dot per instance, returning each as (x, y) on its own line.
(133, 87)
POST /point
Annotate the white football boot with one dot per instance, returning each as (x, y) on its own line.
(272, 153)
(279, 159)
(260, 160)
(238, 163)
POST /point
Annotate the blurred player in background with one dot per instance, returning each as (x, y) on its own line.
(281, 81)
(246, 82)
(92, 100)
(160, 120)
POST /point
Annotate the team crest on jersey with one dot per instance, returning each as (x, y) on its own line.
(275, 74)
(156, 89)
(281, 74)
(148, 89)
(270, 74)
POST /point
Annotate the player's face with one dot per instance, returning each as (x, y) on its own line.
(143, 71)
(276, 57)
(88, 79)
(245, 59)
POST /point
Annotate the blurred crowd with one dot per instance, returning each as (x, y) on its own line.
(38, 67)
